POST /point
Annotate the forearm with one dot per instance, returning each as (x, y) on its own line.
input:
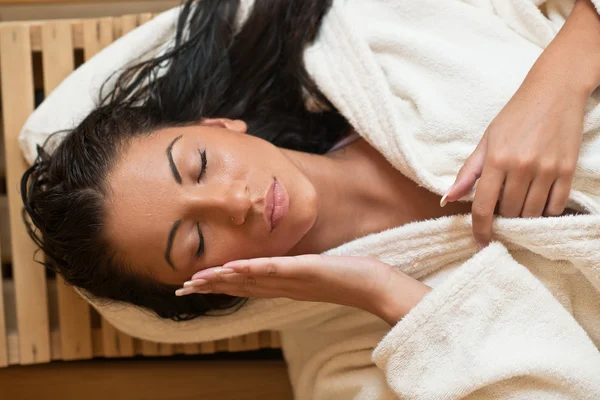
(573, 57)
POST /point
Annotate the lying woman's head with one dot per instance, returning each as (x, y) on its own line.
(183, 172)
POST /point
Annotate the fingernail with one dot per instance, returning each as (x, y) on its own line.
(443, 201)
(183, 292)
(225, 271)
(481, 245)
(195, 282)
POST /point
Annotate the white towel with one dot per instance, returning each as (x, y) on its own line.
(420, 81)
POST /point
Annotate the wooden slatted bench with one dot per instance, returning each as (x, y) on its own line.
(41, 318)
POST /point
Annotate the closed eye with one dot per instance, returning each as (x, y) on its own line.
(203, 164)
(200, 250)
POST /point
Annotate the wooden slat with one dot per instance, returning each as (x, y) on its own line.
(30, 281)
(116, 28)
(124, 25)
(73, 311)
(251, 341)
(128, 23)
(126, 345)
(145, 17)
(12, 342)
(74, 322)
(235, 344)
(177, 348)
(191, 348)
(2, 160)
(275, 340)
(6, 255)
(13, 347)
(149, 349)
(55, 353)
(77, 28)
(264, 339)
(97, 345)
(37, 2)
(3, 340)
(221, 345)
(121, 344)
(165, 349)
(116, 343)
(110, 340)
(36, 34)
(96, 35)
(208, 347)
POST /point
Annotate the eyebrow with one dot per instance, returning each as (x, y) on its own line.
(174, 169)
(176, 224)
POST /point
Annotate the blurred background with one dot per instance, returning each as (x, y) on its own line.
(62, 349)
(22, 10)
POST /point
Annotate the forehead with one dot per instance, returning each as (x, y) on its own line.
(142, 169)
(140, 201)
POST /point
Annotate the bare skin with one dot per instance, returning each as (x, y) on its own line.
(333, 199)
(543, 120)
(383, 198)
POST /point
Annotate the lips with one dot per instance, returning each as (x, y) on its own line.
(276, 204)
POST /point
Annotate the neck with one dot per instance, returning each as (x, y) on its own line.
(359, 192)
(337, 195)
(351, 202)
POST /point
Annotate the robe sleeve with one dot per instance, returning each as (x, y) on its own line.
(492, 330)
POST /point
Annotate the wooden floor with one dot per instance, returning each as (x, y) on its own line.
(148, 380)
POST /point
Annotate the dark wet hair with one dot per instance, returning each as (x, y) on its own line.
(256, 75)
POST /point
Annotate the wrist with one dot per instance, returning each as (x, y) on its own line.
(400, 294)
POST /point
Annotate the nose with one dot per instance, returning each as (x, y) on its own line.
(229, 201)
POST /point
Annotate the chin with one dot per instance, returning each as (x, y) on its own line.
(305, 218)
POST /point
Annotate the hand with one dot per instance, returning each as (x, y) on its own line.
(360, 282)
(527, 157)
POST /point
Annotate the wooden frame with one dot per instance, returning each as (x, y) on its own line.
(34, 2)
(189, 379)
(35, 340)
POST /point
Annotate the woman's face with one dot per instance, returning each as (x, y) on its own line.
(186, 199)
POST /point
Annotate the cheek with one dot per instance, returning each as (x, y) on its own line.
(240, 247)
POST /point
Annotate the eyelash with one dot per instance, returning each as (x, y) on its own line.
(202, 173)
(201, 245)
(203, 167)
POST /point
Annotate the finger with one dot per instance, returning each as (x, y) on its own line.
(247, 291)
(484, 203)
(514, 193)
(468, 174)
(558, 197)
(283, 267)
(218, 279)
(537, 196)
(214, 273)
(240, 285)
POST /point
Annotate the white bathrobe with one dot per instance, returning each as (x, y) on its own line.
(420, 80)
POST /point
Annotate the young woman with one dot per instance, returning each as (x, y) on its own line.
(208, 154)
